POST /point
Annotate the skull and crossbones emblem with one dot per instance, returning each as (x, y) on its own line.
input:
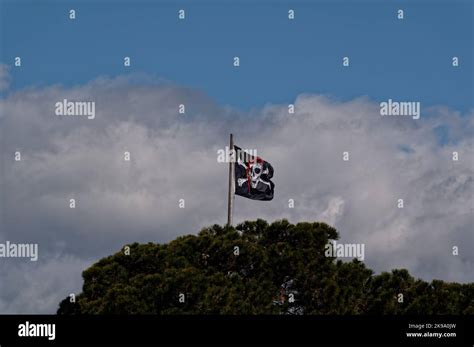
(254, 171)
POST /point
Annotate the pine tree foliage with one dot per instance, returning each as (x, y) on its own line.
(278, 268)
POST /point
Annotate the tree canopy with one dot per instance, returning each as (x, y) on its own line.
(256, 268)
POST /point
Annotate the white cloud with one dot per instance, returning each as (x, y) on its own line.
(334, 210)
(37, 288)
(174, 156)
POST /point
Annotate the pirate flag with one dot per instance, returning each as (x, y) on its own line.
(252, 176)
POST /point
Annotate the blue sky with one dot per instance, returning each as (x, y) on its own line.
(406, 59)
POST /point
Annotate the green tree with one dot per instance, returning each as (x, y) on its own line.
(256, 268)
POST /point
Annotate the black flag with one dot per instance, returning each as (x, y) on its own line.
(252, 176)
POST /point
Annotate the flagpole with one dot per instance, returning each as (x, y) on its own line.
(230, 196)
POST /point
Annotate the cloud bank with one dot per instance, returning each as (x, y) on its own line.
(174, 156)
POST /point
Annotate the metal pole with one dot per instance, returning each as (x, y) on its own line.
(230, 196)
